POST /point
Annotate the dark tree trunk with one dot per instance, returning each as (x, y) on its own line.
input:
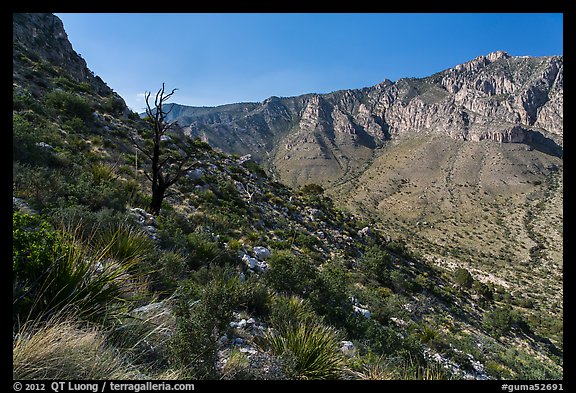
(157, 198)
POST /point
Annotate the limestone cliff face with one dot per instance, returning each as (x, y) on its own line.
(326, 137)
(494, 97)
(491, 97)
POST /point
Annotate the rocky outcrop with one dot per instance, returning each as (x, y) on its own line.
(39, 39)
(43, 35)
(480, 98)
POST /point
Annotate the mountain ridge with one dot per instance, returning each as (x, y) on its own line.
(236, 259)
(497, 97)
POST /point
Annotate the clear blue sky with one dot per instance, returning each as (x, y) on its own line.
(214, 59)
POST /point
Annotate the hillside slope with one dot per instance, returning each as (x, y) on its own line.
(238, 277)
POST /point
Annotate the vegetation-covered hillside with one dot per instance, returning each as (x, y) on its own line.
(237, 277)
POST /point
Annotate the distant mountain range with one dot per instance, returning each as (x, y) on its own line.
(323, 137)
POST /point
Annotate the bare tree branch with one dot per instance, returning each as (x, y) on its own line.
(166, 170)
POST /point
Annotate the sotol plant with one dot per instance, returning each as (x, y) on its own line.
(309, 350)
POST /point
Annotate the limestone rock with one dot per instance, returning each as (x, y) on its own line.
(261, 252)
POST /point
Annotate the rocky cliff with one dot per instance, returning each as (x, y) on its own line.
(39, 43)
(324, 137)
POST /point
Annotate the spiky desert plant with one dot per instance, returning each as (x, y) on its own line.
(290, 310)
(123, 242)
(309, 350)
(78, 278)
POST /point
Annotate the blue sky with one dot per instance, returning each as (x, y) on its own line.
(215, 59)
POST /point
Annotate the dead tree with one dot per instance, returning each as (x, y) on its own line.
(166, 165)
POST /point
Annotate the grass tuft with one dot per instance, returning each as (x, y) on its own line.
(62, 349)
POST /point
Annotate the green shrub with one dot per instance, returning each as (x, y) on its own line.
(291, 274)
(399, 281)
(69, 104)
(203, 250)
(463, 278)
(25, 137)
(74, 125)
(498, 321)
(202, 316)
(483, 290)
(113, 105)
(24, 100)
(172, 267)
(34, 246)
(375, 264)
(254, 168)
(312, 189)
(70, 85)
(256, 296)
(330, 297)
(309, 350)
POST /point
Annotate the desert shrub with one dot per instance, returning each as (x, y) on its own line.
(308, 350)
(330, 296)
(203, 250)
(74, 125)
(483, 290)
(25, 142)
(463, 278)
(171, 269)
(291, 274)
(375, 264)
(312, 189)
(254, 168)
(399, 281)
(69, 104)
(96, 188)
(202, 315)
(498, 321)
(34, 246)
(70, 85)
(256, 296)
(113, 105)
(23, 100)
(306, 241)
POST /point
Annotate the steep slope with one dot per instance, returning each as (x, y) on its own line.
(233, 258)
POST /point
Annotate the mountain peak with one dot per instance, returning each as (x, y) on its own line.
(497, 55)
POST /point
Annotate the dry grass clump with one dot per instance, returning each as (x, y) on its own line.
(63, 349)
